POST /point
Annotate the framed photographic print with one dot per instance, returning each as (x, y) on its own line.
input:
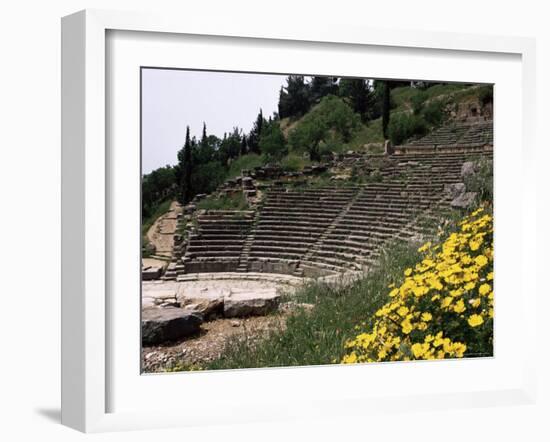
(307, 224)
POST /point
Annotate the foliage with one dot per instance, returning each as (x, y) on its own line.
(485, 94)
(417, 102)
(367, 133)
(236, 201)
(256, 133)
(294, 162)
(444, 306)
(156, 187)
(207, 177)
(230, 146)
(272, 141)
(186, 167)
(404, 126)
(386, 104)
(323, 86)
(360, 96)
(294, 98)
(248, 161)
(331, 119)
(434, 112)
(481, 182)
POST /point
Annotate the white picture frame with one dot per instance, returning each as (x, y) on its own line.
(86, 316)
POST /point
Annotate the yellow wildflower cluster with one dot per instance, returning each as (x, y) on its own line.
(444, 306)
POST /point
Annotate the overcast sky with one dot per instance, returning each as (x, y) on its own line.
(173, 99)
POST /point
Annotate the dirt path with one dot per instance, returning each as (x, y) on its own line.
(209, 344)
(161, 233)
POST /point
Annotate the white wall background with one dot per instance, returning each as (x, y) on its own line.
(30, 213)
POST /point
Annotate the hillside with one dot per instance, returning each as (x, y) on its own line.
(368, 137)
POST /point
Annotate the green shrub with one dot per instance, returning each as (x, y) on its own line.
(404, 126)
(417, 102)
(294, 162)
(434, 112)
(272, 141)
(481, 182)
(331, 120)
(485, 94)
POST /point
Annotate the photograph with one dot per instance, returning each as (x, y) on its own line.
(302, 220)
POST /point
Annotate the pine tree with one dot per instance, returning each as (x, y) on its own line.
(295, 98)
(323, 86)
(360, 96)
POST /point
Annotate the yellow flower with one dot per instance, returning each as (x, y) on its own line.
(490, 276)
(350, 359)
(474, 245)
(481, 260)
(475, 320)
(446, 302)
(406, 326)
(484, 289)
(426, 316)
(469, 286)
(420, 349)
(419, 291)
(394, 292)
(425, 247)
(475, 302)
(458, 348)
(402, 311)
(459, 306)
(408, 272)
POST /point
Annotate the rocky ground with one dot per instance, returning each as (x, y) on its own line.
(187, 324)
(208, 344)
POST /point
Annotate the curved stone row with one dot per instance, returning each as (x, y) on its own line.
(463, 134)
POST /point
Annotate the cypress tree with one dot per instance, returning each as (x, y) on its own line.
(244, 150)
(187, 169)
(204, 138)
(386, 109)
(255, 134)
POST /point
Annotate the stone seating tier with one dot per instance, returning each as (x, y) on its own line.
(329, 229)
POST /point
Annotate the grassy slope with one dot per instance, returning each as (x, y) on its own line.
(401, 99)
(233, 202)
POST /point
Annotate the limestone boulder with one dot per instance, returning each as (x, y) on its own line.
(465, 200)
(150, 273)
(160, 325)
(250, 303)
(206, 307)
(455, 189)
(468, 168)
